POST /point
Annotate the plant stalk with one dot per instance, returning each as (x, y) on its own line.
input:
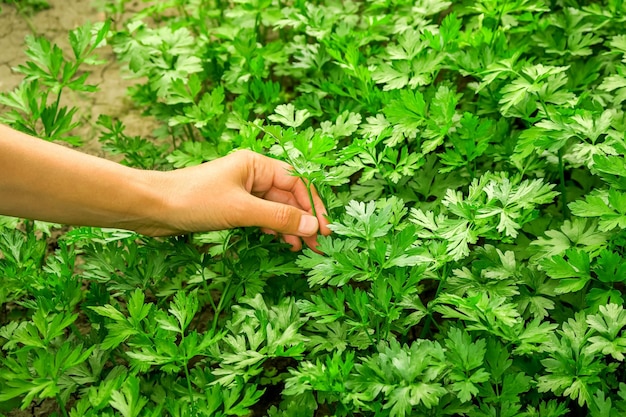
(564, 208)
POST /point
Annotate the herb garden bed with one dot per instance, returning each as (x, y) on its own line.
(471, 155)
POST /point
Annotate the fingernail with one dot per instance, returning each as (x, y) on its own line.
(308, 225)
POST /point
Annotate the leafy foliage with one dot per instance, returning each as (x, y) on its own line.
(471, 156)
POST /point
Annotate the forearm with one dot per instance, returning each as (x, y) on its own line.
(45, 181)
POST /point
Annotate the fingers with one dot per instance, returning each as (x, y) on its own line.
(276, 177)
(295, 242)
(285, 197)
(279, 217)
(274, 181)
(284, 205)
(308, 226)
(321, 212)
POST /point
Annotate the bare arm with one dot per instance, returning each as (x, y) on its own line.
(44, 181)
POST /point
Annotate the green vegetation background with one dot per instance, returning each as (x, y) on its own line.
(472, 157)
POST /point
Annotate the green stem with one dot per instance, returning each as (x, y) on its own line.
(171, 132)
(310, 193)
(499, 21)
(189, 132)
(307, 181)
(220, 305)
(367, 333)
(390, 185)
(257, 26)
(77, 333)
(61, 405)
(470, 166)
(498, 390)
(564, 207)
(205, 286)
(187, 376)
(58, 102)
(21, 10)
(429, 319)
(191, 399)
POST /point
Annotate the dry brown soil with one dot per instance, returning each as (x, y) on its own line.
(55, 23)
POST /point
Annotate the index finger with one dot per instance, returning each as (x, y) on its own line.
(274, 175)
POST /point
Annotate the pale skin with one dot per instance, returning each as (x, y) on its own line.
(45, 181)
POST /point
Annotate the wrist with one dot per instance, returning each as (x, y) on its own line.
(150, 206)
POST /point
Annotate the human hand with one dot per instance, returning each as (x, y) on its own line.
(238, 190)
(45, 181)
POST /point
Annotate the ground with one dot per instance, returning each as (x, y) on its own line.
(55, 23)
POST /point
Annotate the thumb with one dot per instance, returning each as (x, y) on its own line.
(281, 218)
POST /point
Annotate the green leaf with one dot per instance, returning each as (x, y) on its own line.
(609, 206)
(109, 311)
(327, 375)
(402, 376)
(137, 309)
(573, 273)
(128, 400)
(481, 312)
(467, 357)
(364, 221)
(609, 323)
(578, 232)
(441, 118)
(340, 265)
(287, 115)
(184, 308)
(326, 307)
(345, 125)
(191, 154)
(616, 85)
(406, 113)
(610, 267)
(570, 369)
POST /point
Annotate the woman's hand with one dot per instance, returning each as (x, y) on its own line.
(45, 181)
(241, 189)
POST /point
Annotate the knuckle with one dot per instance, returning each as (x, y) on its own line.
(283, 216)
(249, 158)
(244, 155)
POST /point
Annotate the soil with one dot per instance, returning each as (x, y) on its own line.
(55, 23)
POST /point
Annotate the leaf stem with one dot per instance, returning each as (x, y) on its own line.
(29, 22)
(564, 207)
(187, 376)
(189, 132)
(61, 404)
(307, 183)
(219, 306)
(429, 319)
